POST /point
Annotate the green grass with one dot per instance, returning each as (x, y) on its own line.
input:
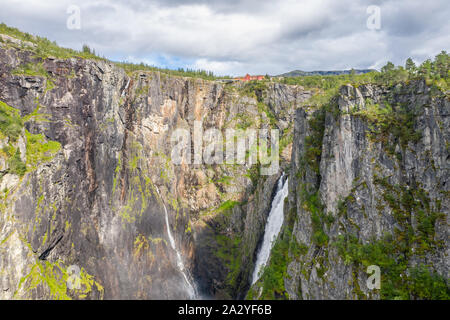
(10, 121)
(31, 69)
(54, 277)
(227, 206)
(16, 165)
(386, 121)
(44, 47)
(38, 149)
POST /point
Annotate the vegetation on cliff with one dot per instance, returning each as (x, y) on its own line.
(390, 124)
(38, 148)
(45, 48)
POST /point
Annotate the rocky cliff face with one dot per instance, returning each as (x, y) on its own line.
(86, 175)
(369, 186)
(87, 178)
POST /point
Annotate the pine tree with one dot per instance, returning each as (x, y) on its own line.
(426, 68)
(441, 64)
(86, 49)
(410, 66)
(387, 72)
(389, 67)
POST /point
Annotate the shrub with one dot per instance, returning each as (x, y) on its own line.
(16, 165)
(10, 121)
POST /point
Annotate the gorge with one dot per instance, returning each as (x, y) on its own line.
(87, 180)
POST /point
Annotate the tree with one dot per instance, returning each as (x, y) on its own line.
(389, 67)
(441, 64)
(410, 66)
(426, 68)
(391, 74)
(352, 75)
(400, 74)
(86, 49)
(387, 72)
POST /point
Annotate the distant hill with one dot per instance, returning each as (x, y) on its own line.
(299, 73)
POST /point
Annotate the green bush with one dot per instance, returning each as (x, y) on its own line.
(39, 149)
(275, 271)
(16, 165)
(392, 253)
(424, 284)
(386, 121)
(10, 121)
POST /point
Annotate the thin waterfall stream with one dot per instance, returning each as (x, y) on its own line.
(180, 264)
(273, 226)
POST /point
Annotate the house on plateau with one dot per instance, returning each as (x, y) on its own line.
(250, 78)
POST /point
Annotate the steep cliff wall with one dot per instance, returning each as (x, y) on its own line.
(87, 176)
(369, 186)
(86, 172)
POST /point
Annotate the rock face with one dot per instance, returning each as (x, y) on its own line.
(87, 176)
(370, 186)
(90, 211)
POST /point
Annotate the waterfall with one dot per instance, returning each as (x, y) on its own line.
(273, 226)
(180, 264)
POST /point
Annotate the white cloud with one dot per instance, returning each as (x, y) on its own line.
(220, 67)
(235, 37)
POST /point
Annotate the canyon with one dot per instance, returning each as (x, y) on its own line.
(87, 180)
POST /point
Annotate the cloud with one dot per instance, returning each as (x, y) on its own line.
(239, 36)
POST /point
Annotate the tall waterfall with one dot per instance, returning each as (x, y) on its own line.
(180, 264)
(273, 226)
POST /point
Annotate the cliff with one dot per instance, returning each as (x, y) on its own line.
(95, 206)
(369, 187)
(93, 147)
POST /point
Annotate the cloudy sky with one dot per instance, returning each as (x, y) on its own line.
(238, 36)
